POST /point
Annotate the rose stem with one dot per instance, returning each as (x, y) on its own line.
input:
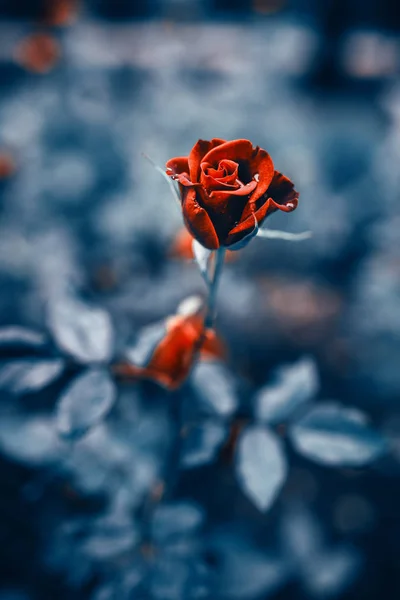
(212, 296)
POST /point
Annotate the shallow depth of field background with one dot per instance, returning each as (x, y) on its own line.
(316, 84)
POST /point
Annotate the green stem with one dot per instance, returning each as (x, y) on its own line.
(212, 297)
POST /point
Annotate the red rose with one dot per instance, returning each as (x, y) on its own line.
(227, 189)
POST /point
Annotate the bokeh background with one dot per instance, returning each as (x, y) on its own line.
(85, 89)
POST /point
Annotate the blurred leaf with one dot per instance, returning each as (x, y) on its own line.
(331, 572)
(140, 353)
(215, 388)
(32, 441)
(244, 571)
(20, 338)
(201, 444)
(260, 465)
(334, 435)
(203, 258)
(294, 385)
(83, 331)
(30, 375)
(178, 519)
(85, 402)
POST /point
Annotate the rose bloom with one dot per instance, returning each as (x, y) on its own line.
(227, 189)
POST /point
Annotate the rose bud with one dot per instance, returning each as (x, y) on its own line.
(227, 189)
(38, 53)
(59, 13)
(7, 165)
(166, 351)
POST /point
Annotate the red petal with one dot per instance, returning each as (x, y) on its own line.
(247, 225)
(197, 220)
(199, 150)
(174, 356)
(221, 195)
(235, 150)
(177, 165)
(262, 164)
(281, 193)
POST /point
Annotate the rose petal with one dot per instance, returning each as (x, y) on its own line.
(226, 176)
(235, 150)
(281, 193)
(262, 164)
(199, 150)
(221, 195)
(247, 224)
(177, 165)
(197, 220)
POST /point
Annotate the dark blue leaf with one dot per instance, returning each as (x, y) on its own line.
(335, 435)
(178, 519)
(329, 573)
(30, 440)
(260, 465)
(244, 571)
(294, 385)
(215, 388)
(15, 337)
(201, 443)
(83, 331)
(85, 402)
(140, 353)
(29, 375)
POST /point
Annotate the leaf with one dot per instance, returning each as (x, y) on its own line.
(261, 467)
(30, 440)
(331, 572)
(294, 385)
(275, 234)
(203, 258)
(83, 331)
(331, 434)
(201, 444)
(244, 571)
(215, 388)
(20, 338)
(29, 375)
(85, 402)
(140, 353)
(177, 519)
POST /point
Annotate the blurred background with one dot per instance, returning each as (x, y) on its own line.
(86, 87)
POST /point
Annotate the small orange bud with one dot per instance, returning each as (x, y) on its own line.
(38, 53)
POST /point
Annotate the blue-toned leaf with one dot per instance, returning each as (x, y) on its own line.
(275, 234)
(85, 402)
(334, 435)
(140, 353)
(244, 571)
(201, 443)
(178, 519)
(16, 337)
(215, 388)
(203, 258)
(260, 465)
(29, 375)
(331, 572)
(170, 579)
(83, 331)
(29, 440)
(294, 385)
